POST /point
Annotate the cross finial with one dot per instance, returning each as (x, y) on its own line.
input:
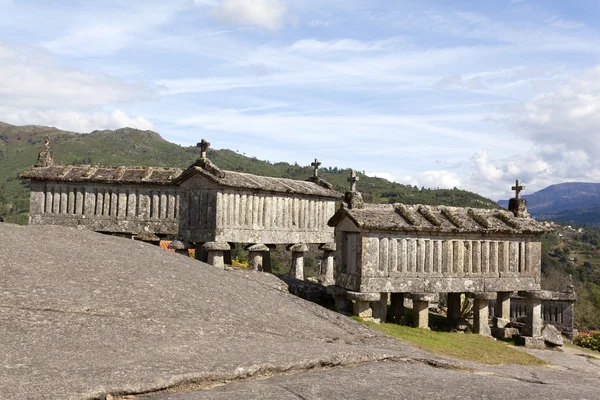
(353, 179)
(518, 188)
(204, 145)
(46, 143)
(316, 164)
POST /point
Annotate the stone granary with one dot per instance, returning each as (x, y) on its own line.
(421, 251)
(203, 204)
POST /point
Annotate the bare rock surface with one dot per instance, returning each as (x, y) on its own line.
(84, 314)
(88, 316)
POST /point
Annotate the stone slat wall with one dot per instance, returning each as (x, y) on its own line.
(94, 200)
(272, 212)
(440, 257)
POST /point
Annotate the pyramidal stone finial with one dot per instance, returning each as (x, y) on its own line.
(518, 205)
(45, 157)
(316, 164)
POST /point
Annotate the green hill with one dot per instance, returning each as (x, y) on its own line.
(19, 146)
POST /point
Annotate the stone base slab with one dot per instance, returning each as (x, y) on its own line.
(533, 342)
(504, 333)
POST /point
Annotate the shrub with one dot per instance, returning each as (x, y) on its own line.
(590, 340)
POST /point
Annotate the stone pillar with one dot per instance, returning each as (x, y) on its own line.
(397, 308)
(481, 313)
(532, 332)
(362, 304)
(453, 312)
(200, 252)
(380, 308)
(180, 247)
(214, 253)
(256, 256)
(328, 263)
(421, 308)
(297, 269)
(502, 311)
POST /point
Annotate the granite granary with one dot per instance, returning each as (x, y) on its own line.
(203, 205)
(421, 251)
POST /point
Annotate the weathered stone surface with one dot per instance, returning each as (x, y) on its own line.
(99, 314)
(380, 308)
(480, 315)
(552, 335)
(533, 342)
(358, 296)
(484, 295)
(297, 248)
(216, 246)
(504, 333)
(179, 245)
(362, 309)
(424, 296)
(257, 247)
(328, 246)
(421, 314)
(500, 322)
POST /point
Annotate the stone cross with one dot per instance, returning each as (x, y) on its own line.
(518, 188)
(204, 145)
(315, 166)
(353, 179)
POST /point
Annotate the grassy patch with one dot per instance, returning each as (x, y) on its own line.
(459, 345)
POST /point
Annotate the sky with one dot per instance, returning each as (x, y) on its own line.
(467, 94)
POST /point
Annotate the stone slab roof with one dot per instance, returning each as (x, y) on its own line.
(103, 174)
(167, 176)
(255, 182)
(422, 218)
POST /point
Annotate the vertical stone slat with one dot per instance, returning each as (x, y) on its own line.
(99, 201)
(48, 202)
(522, 257)
(79, 201)
(458, 250)
(468, 254)
(448, 256)
(64, 199)
(71, 200)
(163, 205)
(493, 257)
(267, 211)
(261, 211)
(383, 255)
(403, 255)
(106, 208)
(514, 256)
(90, 202)
(393, 258)
(171, 206)
(438, 256)
(220, 209)
(412, 255)
(476, 257)
(428, 265)
(248, 217)
(420, 255)
(131, 203)
(485, 256)
(56, 200)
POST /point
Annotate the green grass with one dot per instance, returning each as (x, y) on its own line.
(463, 346)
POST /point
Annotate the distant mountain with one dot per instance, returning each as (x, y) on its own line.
(575, 202)
(19, 146)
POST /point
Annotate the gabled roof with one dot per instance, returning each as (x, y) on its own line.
(422, 218)
(174, 176)
(255, 182)
(103, 174)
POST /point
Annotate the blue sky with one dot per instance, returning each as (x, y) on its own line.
(429, 93)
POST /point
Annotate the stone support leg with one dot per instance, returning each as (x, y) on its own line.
(380, 308)
(267, 260)
(362, 303)
(215, 253)
(481, 313)
(502, 311)
(256, 256)
(328, 263)
(297, 268)
(421, 314)
(227, 254)
(421, 308)
(534, 317)
(397, 308)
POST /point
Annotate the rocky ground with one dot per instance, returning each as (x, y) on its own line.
(84, 315)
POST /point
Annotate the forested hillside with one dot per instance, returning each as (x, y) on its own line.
(19, 147)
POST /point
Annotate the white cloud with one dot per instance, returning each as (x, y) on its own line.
(75, 121)
(317, 46)
(32, 78)
(36, 89)
(439, 179)
(484, 168)
(267, 14)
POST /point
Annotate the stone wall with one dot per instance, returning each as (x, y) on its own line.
(404, 263)
(109, 208)
(244, 216)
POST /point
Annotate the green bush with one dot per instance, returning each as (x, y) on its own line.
(588, 340)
